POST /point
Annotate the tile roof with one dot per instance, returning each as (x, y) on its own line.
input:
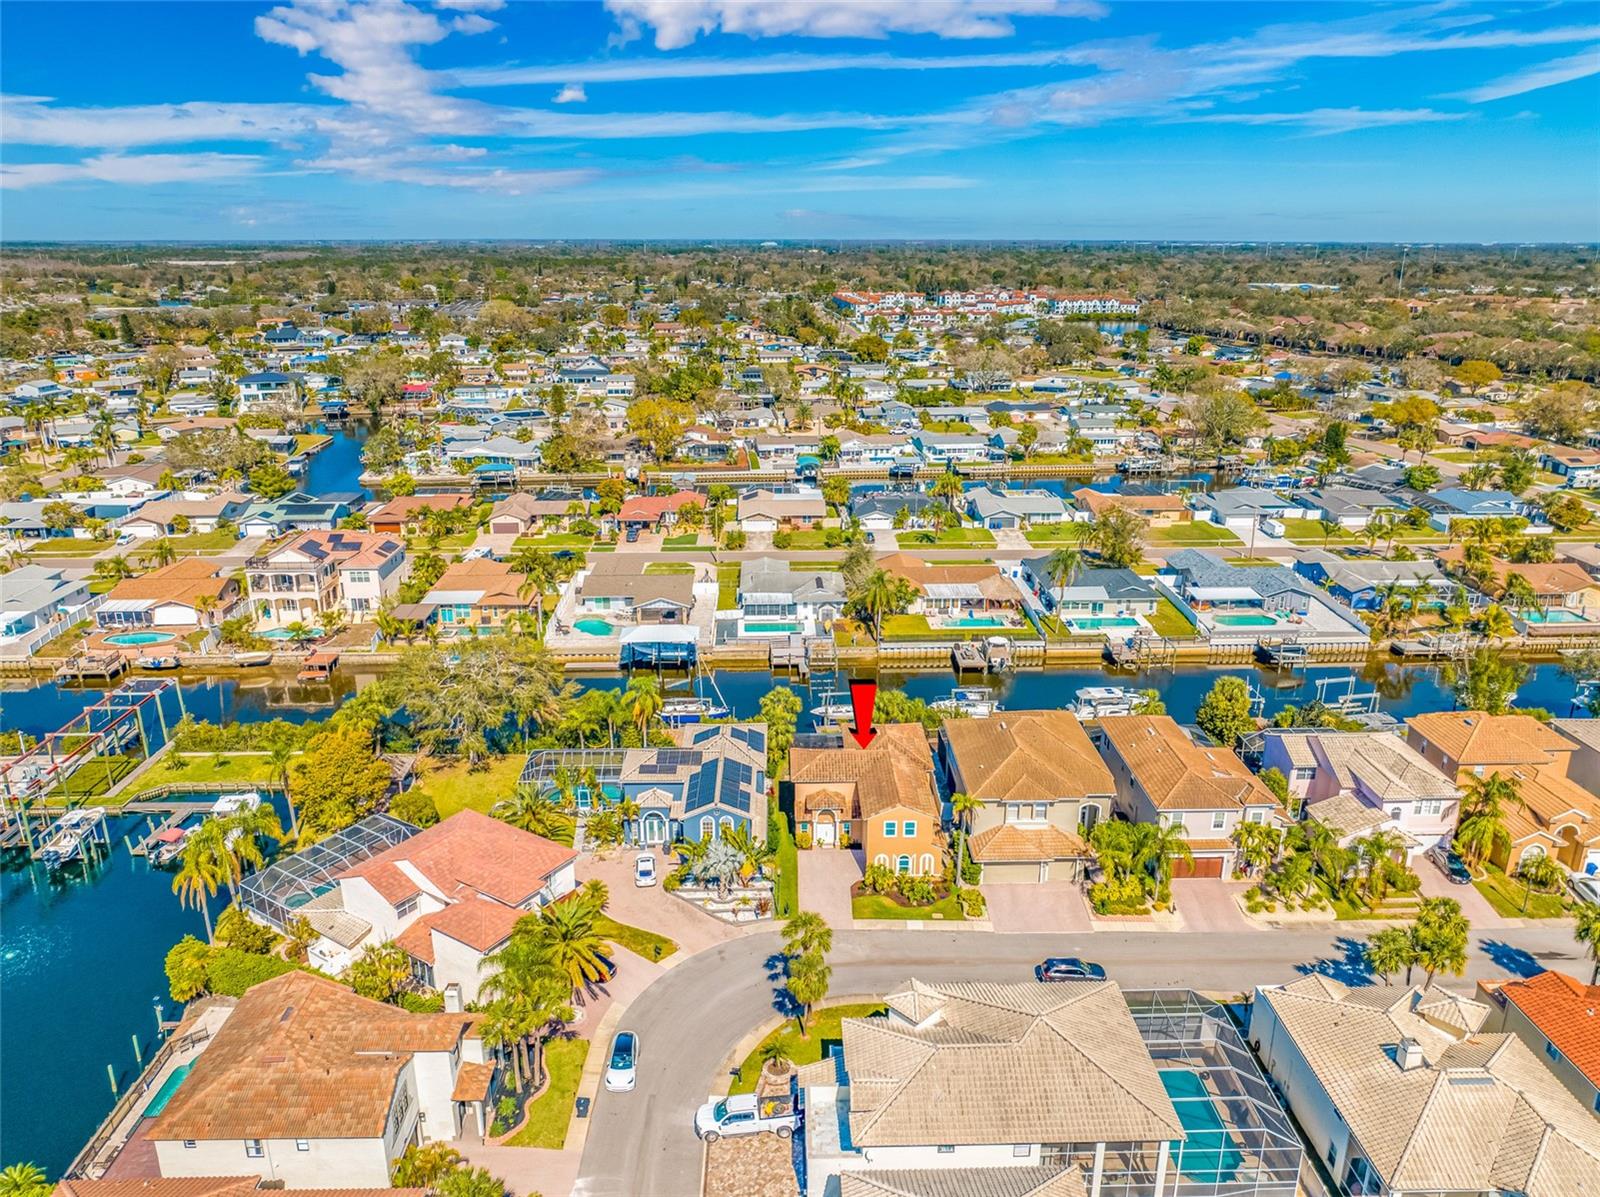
(1176, 773)
(407, 507)
(993, 1063)
(349, 550)
(1567, 1012)
(1020, 755)
(1382, 762)
(1479, 1113)
(1551, 804)
(184, 581)
(494, 583)
(962, 1182)
(473, 1081)
(1008, 842)
(466, 853)
(1478, 738)
(205, 1186)
(302, 1057)
(991, 583)
(653, 507)
(896, 769)
(478, 923)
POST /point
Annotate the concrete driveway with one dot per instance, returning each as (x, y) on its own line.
(1473, 904)
(1206, 904)
(826, 875)
(1041, 906)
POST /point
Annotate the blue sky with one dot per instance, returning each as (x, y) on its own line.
(1053, 119)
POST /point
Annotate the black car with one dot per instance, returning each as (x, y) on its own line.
(1068, 968)
(1451, 865)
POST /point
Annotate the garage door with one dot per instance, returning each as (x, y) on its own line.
(506, 528)
(1203, 866)
(1006, 873)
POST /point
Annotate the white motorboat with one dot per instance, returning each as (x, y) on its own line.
(67, 836)
(676, 712)
(834, 708)
(1098, 702)
(975, 702)
(232, 804)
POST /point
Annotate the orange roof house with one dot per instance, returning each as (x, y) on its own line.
(1559, 1018)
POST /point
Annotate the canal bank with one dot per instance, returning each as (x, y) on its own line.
(83, 951)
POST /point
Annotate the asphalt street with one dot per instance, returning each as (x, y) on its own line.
(641, 1144)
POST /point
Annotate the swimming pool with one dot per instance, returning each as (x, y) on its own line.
(593, 627)
(276, 634)
(976, 621)
(1208, 1154)
(128, 639)
(1558, 615)
(1244, 621)
(1095, 623)
(759, 628)
(168, 1088)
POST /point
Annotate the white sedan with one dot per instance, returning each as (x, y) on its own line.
(621, 1074)
(644, 869)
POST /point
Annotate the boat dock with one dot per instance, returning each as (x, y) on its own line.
(107, 665)
(965, 655)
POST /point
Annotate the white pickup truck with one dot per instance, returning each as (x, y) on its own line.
(745, 1114)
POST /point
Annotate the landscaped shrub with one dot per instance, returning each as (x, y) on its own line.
(236, 929)
(916, 890)
(230, 971)
(802, 840)
(423, 1003)
(972, 903)
(414, 807)
(1122, 896)
(879, 878)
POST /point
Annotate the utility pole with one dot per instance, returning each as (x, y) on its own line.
(1400, 289)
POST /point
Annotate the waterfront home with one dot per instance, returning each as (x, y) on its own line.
(786, 450)
(1358, 782)
(781, 508)
(1558, 1017)
(1452, 504)
(407, 513)
(1400, 1090)
(1159, 511)
(645, 513)
(1557, 817)
(267, 389)
(1093, 600)
(951, 448)
(1231, 596)
(294, 512)
(1353, 507)
(311, 1086)
(1360, 583)
(780, 598)
(1162, 776)
(352, 572)
(35, 601)
(1043, 789)
(209, 1186)
(877, 510)
(882, 797)
(617, 587)
(958, 596)
(1242, 509)
(164, 517)
(482, 871)
(524, 514)
(498, 453)
(190, 593)
(477, 595)
(1558, 586)
(1583, 765)
(1014, 508)
(1004, 1089)
(1577, 467)
(873, 449)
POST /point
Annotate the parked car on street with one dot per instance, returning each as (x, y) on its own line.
(1585, 889)
(743, 1114)
(1068, 968)
(644, 869)
(1450, 864)
(621, 1071)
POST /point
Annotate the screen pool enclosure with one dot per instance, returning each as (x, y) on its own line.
(274, 895)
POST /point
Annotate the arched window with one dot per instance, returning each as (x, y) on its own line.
(903, 865)
(726, 825)
(1088, 816)
(927, 866)
(1530, 852)
(881, 859)
(708, 829)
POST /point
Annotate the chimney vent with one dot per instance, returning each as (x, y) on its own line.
(1408, 1054)
(452, 998)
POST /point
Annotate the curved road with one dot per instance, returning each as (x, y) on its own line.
(640, 1144)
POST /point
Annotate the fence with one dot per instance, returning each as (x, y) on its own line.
(88, 1165)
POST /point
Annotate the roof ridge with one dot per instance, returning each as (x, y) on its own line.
(1094, 1061)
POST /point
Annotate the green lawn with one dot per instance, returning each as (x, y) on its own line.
(454, 787)
(551, 1112)
(205, 542)
(686, 540)
(727, 586)
(1310, 532)
(916, 627)
(669, 567)
(876, 906)
(1170, 622)
(91, 780)
(1066, 533)
(71, 546)
(1458, 456)
(205, 767)
(636, 939)
(786, 894)
(956, 536)
(1194, 532)
(552, 540)
(805, 538)
(1506, 895)
(822, 1028)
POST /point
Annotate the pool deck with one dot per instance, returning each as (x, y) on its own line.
(563, 636)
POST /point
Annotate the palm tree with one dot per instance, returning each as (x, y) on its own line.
(576, 949)
(1519, 594)
(536, 814)
(1062, 566)
(279, 758)
(644, 702)
(24, 1180)
(1156, 846)
(161, 553)
(1483, 807)
(808, 984)
(880, 593)
(1538, 872)
(963, 807)
(1587, 932)
(300, 631)
(1376, 852)
(1390, 950)
(198, 878)
(805, 933)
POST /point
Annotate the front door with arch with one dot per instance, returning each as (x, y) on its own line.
(653, 828)
(827, 829)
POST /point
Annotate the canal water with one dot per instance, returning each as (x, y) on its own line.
(81, 953)
(336, 470)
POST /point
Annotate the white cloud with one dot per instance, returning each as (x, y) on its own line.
(470, 5)
(678, 23)
(34, 120)
(132, 170)
(1533, 78)
(1322, 121)
(406, 168)
(570, 93)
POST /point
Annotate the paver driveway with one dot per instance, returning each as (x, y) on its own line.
(1473, 904)
(1056, 906)
(826, 875)
(1206, 904)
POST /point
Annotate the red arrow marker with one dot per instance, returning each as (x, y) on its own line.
(863, 697)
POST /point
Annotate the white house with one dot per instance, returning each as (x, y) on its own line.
(35, 601)
(267, 389)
